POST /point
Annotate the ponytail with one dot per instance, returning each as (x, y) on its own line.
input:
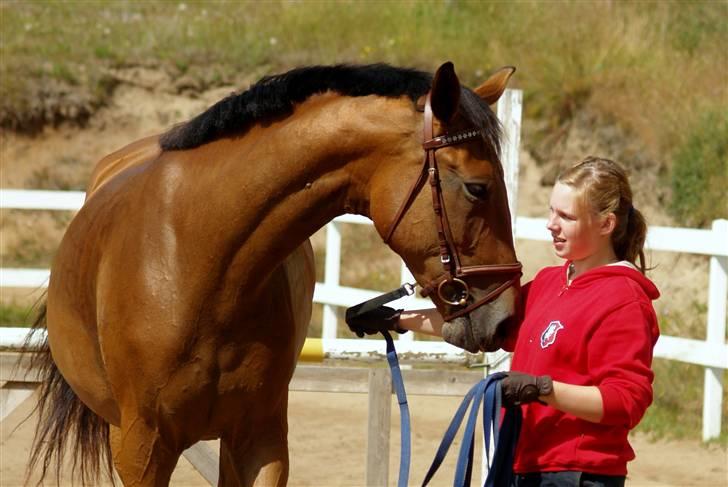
(628, 238)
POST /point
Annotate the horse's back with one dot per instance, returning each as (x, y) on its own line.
(131, 155)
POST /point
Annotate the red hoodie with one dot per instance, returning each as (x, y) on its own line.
(597, 331)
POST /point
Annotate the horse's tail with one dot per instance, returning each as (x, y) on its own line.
(61, 417)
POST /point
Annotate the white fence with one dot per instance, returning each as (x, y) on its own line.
(711, 353)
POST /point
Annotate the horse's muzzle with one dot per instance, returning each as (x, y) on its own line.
(485, 328)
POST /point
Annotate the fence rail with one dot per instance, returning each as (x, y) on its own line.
(711, 353)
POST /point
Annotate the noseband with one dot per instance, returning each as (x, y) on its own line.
(452, 286)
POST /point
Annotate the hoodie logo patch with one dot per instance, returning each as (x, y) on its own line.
(548, 337)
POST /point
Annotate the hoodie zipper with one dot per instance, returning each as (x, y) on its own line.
(565, 287)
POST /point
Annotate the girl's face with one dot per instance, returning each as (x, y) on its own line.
(577, 233)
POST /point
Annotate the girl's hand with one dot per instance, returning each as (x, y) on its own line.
(375, 321)
(519, 388)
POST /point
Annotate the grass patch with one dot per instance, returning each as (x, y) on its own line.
(16, 315)
(30, 238)
(677, 408)
(699, 175)
(688, 323)
(678, 402)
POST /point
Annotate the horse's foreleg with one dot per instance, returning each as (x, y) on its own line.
(258, 459)
(140, 456)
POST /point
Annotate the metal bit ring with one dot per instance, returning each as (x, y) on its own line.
(453, 298)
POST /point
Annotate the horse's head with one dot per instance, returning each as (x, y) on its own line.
(442, 206)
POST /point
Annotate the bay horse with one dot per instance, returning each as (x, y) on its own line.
(181, 293)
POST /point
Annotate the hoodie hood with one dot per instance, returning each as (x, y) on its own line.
(612, 271)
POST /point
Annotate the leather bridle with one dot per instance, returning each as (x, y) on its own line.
(451, 286)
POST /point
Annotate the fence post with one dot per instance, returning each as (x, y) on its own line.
(205, 460)
(718, 291)
(509, 113)
(380, 412)
(332, 267)
(509, 110)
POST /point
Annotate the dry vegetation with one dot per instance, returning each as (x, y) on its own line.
(656, 71)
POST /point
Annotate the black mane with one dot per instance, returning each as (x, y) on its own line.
(275, 96)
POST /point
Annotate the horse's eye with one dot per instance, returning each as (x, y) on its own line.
(478, 191)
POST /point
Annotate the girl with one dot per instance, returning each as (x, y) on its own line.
(582, 357)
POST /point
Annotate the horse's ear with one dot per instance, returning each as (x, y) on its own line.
(445, 96)
(494, 86)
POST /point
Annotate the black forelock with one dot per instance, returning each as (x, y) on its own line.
(477, 112)
(275, 97)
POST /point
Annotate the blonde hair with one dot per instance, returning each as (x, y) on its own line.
(603, 187)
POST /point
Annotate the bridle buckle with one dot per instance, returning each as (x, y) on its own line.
(409, 288)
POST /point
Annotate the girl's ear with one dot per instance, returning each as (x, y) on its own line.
(609, 223)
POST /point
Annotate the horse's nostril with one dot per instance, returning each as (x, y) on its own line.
(503, 329)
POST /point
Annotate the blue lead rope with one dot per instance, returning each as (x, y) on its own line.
(505, 434)
(404, 429)
(500, 472)
(487, 392)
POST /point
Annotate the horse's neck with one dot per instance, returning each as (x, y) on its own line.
(277, 185)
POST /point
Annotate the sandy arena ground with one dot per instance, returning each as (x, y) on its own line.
(328, 443)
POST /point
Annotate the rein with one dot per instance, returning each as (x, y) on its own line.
(451, 286)
(487, 392)
(505, 435)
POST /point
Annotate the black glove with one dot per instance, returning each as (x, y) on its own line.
(376, 320)
(519, 388)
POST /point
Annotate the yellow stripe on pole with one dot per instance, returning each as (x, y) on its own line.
(313, 350)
